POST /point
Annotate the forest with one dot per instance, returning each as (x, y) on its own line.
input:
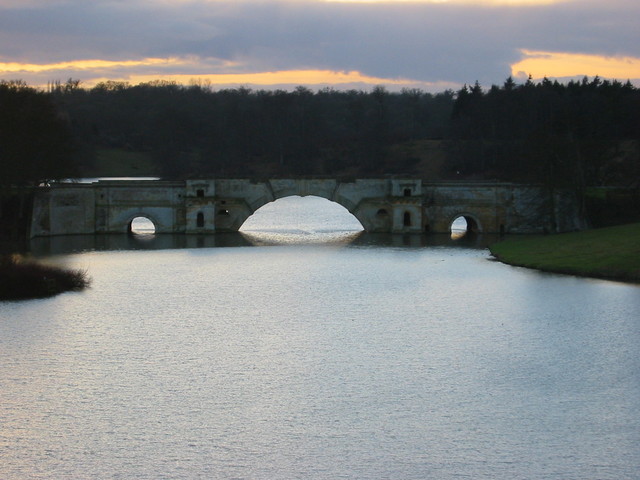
(578, 134)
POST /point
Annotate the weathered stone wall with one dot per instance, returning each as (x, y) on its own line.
(66, 211)
(381, 205)
(481, 204)
(200, 206)
(118, 203)
(501, 208)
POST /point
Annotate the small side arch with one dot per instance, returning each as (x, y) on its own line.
(142, 224)
(465, 222)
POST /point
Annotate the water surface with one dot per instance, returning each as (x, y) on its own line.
(314, 351)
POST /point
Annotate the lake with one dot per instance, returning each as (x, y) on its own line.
(303, 348)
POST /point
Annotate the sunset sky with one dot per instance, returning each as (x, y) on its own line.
(428, 44)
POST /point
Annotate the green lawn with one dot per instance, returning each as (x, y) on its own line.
(612, 252)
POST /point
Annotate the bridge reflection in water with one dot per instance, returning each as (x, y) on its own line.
(59, 245)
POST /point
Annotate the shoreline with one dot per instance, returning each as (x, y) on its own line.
(611, 253)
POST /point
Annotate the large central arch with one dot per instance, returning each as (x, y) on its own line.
(309, 212)
(236, 200)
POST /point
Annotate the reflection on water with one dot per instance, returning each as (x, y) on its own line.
(65, 244)
(43, 246)
(99, 179)
(300, 238)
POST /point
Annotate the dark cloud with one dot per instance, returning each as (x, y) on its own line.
(426, 42)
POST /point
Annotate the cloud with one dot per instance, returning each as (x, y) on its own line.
(452, 42)
(93, 72)
(292, 78)
(566, 65)
(93, 65)
(464, 2)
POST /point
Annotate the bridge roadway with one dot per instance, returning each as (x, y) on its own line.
(395, 205)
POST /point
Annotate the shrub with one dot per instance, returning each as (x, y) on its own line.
(21, 279)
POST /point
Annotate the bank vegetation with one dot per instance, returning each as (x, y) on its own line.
(610, 253)
(22, 278)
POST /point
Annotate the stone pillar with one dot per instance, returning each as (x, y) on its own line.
(200, 206)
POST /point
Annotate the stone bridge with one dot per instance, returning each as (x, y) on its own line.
(392, 205)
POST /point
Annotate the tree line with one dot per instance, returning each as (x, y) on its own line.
(584, 133)
(36, 142)
(195, 131)
(576, 134)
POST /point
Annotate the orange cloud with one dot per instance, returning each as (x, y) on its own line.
(558, 64)
(297, 77)
(94, 71)
(84, 65)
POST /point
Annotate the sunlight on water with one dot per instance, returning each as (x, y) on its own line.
(295, 220)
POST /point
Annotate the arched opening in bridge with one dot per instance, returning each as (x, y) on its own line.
(200, 220)
(463, 225)
(297, 219)
(142, 226)
(382, 213)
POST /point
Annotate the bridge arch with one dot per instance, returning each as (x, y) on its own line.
(142, 217)
(473, 222)
(362, 198)
(302, 210)
(261, 202)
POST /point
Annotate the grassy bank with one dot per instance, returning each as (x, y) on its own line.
(21, 279)
(612, 252)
